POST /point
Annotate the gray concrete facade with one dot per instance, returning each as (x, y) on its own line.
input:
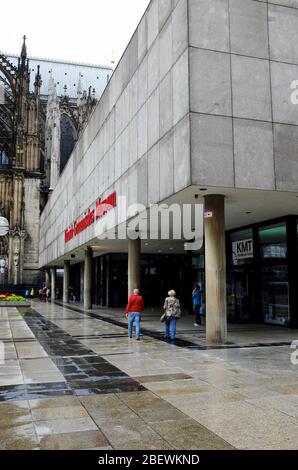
(200, 98)
(243, 59)
(136, 122)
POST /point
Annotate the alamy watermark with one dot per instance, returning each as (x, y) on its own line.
(294, 94)
(180, 222)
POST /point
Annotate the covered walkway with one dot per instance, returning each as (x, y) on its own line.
(246, 334)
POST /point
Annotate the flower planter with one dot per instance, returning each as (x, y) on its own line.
(15, 304)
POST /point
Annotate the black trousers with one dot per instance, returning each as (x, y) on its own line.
(197, 312)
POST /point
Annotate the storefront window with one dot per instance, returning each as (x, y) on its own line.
(275, 294)
(275, 279)
(198, 262)
(273, 241)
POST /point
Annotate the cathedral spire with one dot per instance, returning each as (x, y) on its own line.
(23, 62)
(38, 81)
(24, 50)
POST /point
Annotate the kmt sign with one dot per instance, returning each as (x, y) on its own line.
(242, 249)
(101, 208)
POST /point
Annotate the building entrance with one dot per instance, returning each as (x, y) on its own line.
(159, 274)
(240, 296)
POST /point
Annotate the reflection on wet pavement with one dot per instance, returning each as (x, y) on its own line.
(74, 381)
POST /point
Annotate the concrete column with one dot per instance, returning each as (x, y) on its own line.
(101, 280)
(47, 278)
(107, 281)
(215, 269)
(134, 265)
(81, 287)
(66, 281)
(88, 279)
(53, 284)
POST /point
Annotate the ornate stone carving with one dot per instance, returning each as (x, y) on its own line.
(17, 232)
(16, 257)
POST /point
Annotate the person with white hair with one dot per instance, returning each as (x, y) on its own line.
(134, 308)
(173, 312)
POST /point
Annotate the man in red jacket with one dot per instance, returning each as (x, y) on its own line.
(134, 308)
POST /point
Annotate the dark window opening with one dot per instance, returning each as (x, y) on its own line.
(68, 140)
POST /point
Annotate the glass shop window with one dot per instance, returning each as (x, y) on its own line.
(273, 241)
(275, 294)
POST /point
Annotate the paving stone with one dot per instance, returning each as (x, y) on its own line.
(60, 426)
(147, 395)
(75, 440)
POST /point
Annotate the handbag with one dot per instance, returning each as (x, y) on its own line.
(163, 317)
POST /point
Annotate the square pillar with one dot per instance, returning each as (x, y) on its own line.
(66, 281)
(215, 269)
(134, 265)
(88, 279)
(47, 278)
(53, 284)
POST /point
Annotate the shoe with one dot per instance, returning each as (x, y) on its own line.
(130, 336)
(172, 339)
(138, 338)
(196, 324)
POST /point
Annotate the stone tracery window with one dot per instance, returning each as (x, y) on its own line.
(68, 140)
(4, 158)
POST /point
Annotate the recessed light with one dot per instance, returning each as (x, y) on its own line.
(171, 248)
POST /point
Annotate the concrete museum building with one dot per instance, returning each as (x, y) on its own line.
(200, 109)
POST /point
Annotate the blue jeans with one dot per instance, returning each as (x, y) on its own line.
(171, 324)
(134, 316)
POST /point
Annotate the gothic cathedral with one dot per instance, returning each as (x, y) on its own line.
(30, 163)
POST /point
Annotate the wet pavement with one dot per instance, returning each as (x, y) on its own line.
(74, 380)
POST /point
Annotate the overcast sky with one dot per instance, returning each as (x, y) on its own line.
(86, 31)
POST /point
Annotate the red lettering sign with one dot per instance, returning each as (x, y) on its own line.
(101, 208)
(68, 234)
